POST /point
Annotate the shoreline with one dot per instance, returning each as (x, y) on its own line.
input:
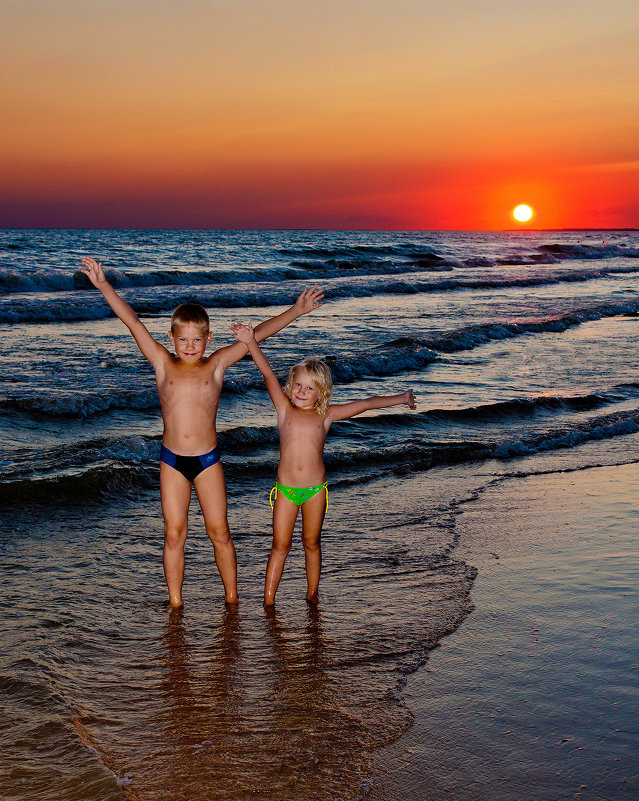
(535, 696)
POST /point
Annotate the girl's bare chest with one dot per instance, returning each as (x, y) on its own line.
(303, 425)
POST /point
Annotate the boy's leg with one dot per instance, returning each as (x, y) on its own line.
(313, 512)
(284, 517)
(210, 489)
(175, 492)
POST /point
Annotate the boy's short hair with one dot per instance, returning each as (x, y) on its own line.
(187, 313)
(322, 379)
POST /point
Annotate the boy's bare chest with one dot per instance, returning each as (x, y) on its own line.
(193, 384)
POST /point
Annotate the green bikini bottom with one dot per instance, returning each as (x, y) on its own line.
(298, 495)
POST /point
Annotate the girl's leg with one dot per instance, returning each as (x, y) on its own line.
(175, 492)
(210, 489)
(313, 512)
(284, 517)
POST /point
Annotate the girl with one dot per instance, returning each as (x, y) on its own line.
(304, 416)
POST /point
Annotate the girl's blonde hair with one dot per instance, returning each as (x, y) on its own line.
(321, 375)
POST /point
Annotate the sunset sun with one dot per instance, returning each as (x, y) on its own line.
(522, 213)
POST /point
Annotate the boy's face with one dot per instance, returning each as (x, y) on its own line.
(304, 391)
(189, 342)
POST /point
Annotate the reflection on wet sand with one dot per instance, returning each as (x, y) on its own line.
(255, 709)
(316, 743)
(198, 719)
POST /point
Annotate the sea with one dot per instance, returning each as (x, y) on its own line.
(521, 348)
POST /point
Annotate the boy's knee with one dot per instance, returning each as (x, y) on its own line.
(174, 536)
(219, 533)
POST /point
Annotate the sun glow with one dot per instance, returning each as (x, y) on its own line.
(522, 213)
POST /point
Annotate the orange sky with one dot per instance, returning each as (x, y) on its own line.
(352, 114)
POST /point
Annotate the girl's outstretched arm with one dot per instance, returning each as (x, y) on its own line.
(343, 411)
(245, 334)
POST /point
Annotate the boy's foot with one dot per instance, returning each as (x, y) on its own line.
(313, 598)
(269, 611)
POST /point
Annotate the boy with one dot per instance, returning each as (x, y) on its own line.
(189, 386)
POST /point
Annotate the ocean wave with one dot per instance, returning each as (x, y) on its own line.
(306, 262)
(89, 306)
(73, 457)
(500, 411)
(603, 251)
(14, 281)
(528, 406)
(78, 306)
(480, 334)
(404, 250)
(100, 482)
(388, 359)
(63, 464)
(414, 454)
(332, 268)
(602, 427)
(391, 358)
(85, 404)
(101, 468)
(413, 353)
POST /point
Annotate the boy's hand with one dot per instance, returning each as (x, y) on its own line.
(243, 333)
(409, 399)
(308, 300)
(93, 270)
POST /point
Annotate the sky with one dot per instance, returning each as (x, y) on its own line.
(346, 114)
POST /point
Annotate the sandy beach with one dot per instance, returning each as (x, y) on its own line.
(536, 695)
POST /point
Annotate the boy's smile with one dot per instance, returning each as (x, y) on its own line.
(190, 342)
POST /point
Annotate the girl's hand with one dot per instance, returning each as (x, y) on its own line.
(243, 333)
(308, 300)
(93, 270)
(409, 399)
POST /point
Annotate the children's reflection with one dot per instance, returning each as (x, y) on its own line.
(259, 705)
(202, 695)
(300, 679)
(319, 742)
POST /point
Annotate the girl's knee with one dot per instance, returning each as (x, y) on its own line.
(281, 548)
(311, 543)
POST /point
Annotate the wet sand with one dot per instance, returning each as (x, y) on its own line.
(536, 695)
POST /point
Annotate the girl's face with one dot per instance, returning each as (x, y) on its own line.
(304, 391)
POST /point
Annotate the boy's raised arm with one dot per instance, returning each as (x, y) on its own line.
(149, 346)
(246, 335)
(343, 411)
(307, 301)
